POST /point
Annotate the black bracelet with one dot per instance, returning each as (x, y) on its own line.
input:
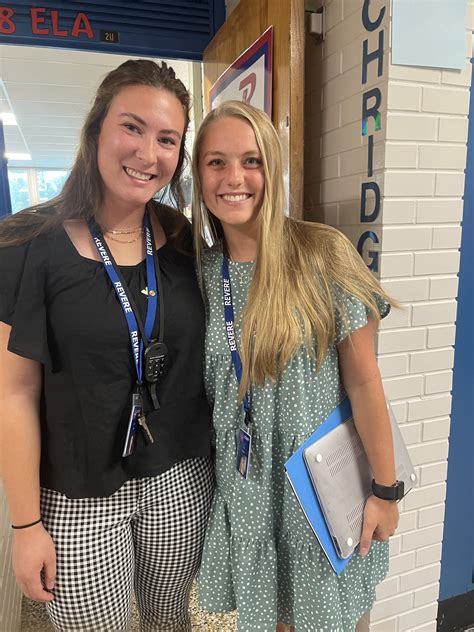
(25, 526)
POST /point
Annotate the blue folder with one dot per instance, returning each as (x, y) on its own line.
(301, 483)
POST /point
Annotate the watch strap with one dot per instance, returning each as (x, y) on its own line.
(388, 492)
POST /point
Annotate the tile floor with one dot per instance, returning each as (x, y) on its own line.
(35, 619)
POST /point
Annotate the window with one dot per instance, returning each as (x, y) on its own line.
(19, 189)
(31, 186)
(49, 183)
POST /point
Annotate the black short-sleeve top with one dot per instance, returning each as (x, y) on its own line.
(64, 313)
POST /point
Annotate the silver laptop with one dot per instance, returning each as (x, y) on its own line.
(342, 479)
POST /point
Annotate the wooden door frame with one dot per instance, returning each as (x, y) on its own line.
(245, 24)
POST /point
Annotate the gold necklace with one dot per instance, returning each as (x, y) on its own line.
(124, 231)
(125, 241)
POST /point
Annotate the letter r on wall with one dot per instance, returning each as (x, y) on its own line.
(371, 111)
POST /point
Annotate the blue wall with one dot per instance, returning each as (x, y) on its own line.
(5, 201)
(457, 565)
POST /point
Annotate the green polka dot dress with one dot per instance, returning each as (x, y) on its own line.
(260, 555)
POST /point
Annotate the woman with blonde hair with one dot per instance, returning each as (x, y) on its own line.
(291, 316)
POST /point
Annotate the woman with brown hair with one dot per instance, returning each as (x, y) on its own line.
(105, 427)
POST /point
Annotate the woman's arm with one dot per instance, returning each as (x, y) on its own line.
(361, 379)
(33, 548)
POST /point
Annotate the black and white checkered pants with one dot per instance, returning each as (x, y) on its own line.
(145, 537)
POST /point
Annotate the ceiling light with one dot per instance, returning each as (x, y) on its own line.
(8, 118)
(13, 156)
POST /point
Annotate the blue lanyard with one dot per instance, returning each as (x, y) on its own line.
(230, 330)
(137, 340)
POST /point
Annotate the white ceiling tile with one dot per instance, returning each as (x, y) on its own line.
(50, 91)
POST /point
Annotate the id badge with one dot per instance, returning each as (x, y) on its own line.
(244, 448)
(132, 425)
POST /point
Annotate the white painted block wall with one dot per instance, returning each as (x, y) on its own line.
(419, 162)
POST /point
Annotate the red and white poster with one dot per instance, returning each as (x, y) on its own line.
(249, 78)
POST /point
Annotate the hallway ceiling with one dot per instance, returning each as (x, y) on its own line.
(50, 91)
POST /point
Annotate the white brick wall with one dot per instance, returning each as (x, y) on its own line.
(419, 161)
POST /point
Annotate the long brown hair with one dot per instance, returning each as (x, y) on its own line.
(299, 269)
(81, 195)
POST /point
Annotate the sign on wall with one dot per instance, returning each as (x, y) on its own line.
(176, 29)
(429, 33)
(370, 197)
(249, 77)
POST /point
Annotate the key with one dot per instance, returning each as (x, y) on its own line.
(253, 450)
(248, 419)
(145, 428)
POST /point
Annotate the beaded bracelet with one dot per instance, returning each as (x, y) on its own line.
(25, 526)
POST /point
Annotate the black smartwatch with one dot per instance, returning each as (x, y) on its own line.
(389, 492)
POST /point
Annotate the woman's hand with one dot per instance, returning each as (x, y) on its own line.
(361, 379)
(380, 522)
(34, 562)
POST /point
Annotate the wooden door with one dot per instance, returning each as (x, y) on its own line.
(244, 25)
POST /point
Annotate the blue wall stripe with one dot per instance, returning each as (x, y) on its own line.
(457, 564)
(5, 200)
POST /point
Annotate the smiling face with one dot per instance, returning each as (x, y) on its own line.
(231, 173)
(138, 146)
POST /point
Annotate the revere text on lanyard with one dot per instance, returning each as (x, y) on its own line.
(136, 339)
(244, 438)
(154, 352)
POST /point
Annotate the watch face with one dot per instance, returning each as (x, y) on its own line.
(389, 492)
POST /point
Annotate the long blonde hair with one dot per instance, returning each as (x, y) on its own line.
(299, 265)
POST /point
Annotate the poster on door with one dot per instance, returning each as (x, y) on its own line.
(249, 77)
